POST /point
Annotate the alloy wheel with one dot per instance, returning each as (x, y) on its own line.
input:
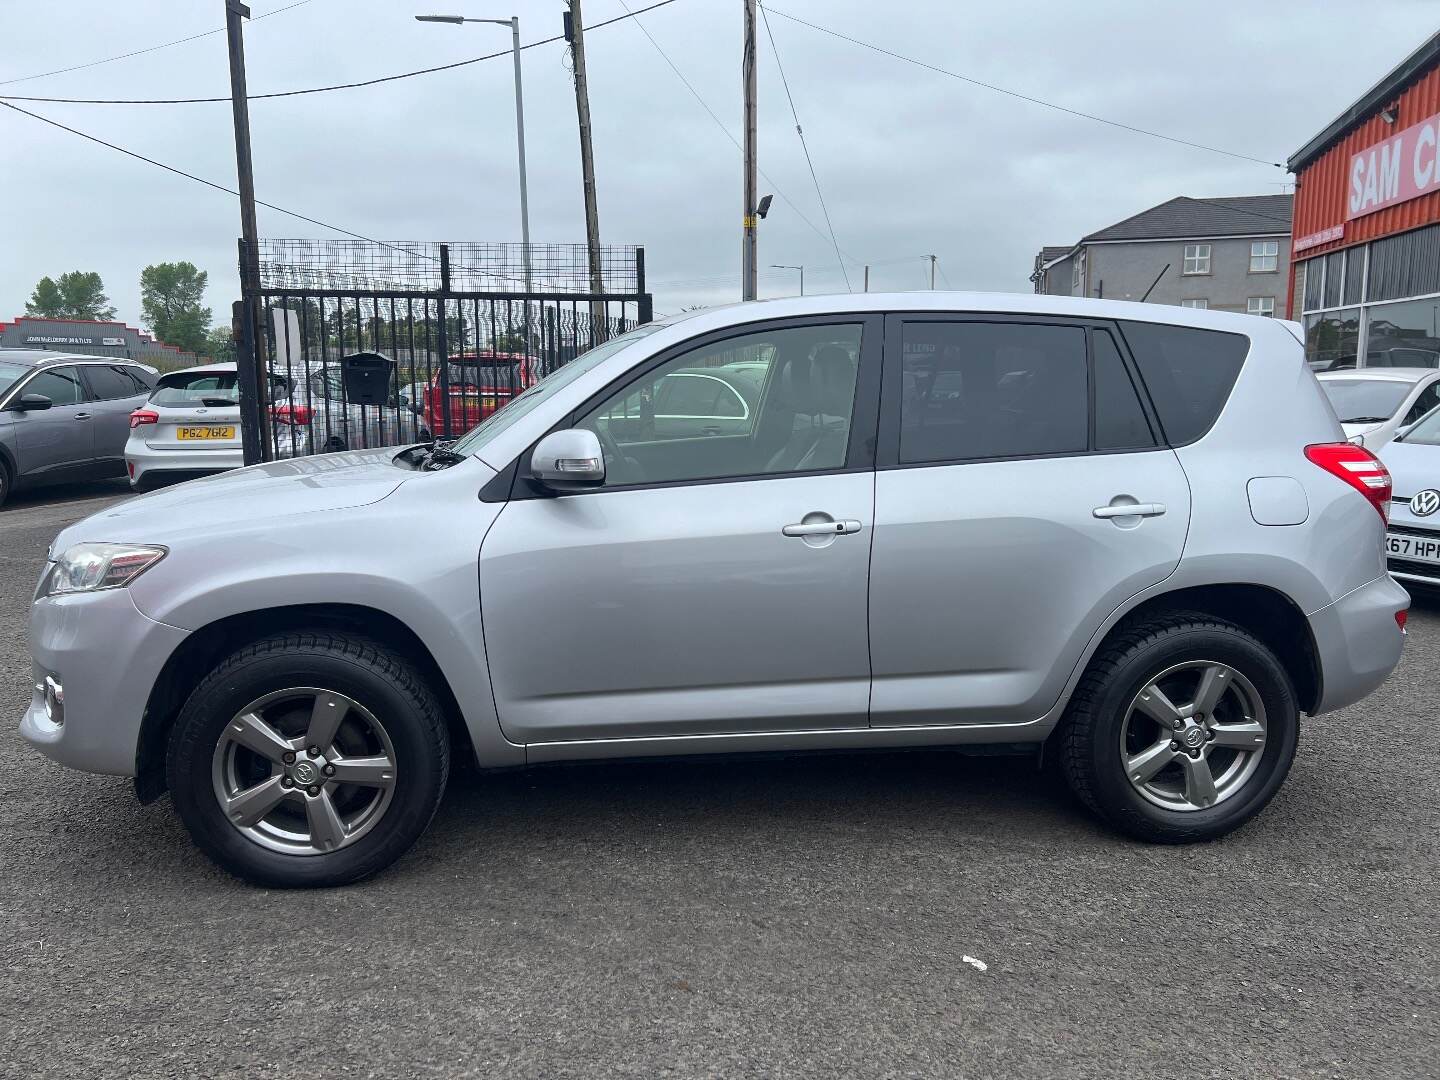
(1193, 736)
(304, 771)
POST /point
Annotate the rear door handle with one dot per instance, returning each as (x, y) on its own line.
(82, 416)
(822, 528)
(1133, 510)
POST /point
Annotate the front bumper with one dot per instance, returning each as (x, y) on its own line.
(1358, 641)
(106, 655)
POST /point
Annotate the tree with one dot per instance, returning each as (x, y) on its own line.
(77, 295)
(170, 297)
(219, 344)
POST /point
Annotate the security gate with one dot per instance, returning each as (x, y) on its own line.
(363, 344)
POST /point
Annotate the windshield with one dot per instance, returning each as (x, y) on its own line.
(483, 373)
(10, 374)
(1365, 400)
(477, 437)
(197, 387)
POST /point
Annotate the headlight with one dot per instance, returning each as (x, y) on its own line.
(88, 567)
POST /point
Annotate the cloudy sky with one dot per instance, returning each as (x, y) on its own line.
(910, 161)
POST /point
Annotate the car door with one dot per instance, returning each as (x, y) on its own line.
(1023, 492)
(717, 582)
(56, 443)
(115, 394)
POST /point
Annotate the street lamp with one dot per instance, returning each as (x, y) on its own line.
(784, 266)
(514, 23)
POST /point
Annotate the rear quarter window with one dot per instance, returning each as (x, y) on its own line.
(1188, 372)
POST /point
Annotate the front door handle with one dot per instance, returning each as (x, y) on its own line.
(822, 528)
(1132, 510)
(82, 416)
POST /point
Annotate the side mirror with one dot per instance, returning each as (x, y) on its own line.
(32, 403)
(569, 460)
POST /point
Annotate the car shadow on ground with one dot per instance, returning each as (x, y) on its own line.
(57, 494)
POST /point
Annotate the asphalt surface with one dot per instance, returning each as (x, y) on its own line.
(783, 917)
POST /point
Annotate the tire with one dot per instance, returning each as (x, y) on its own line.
(392, 723)
(5, 482)
(1109, 724)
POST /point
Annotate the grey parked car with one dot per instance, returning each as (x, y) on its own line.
(1133, 533)
(65, 417)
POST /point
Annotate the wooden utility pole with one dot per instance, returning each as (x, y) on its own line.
(247, 343)
(575, 35)
(748, 250)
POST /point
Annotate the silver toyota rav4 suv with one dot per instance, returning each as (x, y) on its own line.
(1133, 535)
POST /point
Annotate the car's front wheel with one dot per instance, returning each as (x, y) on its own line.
(309, 759)
(1182, 729)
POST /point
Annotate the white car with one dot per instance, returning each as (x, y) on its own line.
(189, 427)
(1374, 403)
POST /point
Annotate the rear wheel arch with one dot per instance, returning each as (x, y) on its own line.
(199, 653)
(1266, 613)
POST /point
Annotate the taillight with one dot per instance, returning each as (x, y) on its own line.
(1359, 468)
(1401, 617)
(143, 416)
(297, 415)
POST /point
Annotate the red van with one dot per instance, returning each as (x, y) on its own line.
(479, 383)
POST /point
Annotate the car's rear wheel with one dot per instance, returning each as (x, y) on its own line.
(309, 759)
(4, 482)
(1182, 729)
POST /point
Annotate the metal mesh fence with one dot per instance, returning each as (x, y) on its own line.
(396, 266)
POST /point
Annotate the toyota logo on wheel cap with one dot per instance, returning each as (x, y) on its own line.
(1425, 503)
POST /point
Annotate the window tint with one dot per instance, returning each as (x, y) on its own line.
(1120, 422)
(107, 384)
(1189, 373)
(777, 401)
(985, 390)
(60, 385)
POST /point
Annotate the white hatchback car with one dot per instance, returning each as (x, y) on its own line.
(189, 427)
(1373, 403)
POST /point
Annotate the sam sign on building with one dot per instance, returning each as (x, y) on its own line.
(1399, 169)
(1365, 272)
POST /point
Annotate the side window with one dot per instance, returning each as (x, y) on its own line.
(143, 380)
(60, 385)
(1120, 422)
(987, 390)
(1188, 372)
(1428, 399)
(770, 402)
(108, 384)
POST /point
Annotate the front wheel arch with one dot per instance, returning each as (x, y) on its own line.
(207, 646)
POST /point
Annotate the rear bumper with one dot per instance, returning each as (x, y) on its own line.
(106, 655)
(142, 460)
(1358, 641)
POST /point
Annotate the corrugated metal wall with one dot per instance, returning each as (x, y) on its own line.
(1321, 187)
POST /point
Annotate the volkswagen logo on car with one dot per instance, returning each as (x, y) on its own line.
(1424, 503)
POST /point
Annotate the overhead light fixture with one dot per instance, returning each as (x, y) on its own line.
(1390, 114)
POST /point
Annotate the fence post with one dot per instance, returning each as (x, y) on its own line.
(443, 343)
(645, 306)
(245, 328)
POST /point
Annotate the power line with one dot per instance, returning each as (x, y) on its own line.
(1020, 96)
(198, 179)
(321, 89)
(718, 122)
(149, 49)
(805, 147)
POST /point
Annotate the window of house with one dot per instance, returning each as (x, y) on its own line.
(1077, 275)
(1197, 259)
(975, 390)
(1260, 305)
(1264, 256)
(1198, 304)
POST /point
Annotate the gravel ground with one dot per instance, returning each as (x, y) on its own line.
(920, 914)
